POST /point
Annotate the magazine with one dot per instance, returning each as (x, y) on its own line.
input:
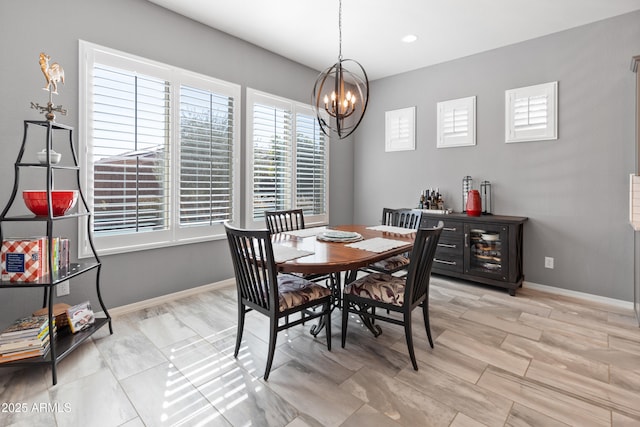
(26, 326)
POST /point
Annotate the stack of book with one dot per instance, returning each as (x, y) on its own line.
(27, 260)
(26, 337)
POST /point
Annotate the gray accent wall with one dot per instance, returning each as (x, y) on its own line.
(145, 29)
(574, 189)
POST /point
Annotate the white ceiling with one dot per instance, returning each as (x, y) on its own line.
(306, 31)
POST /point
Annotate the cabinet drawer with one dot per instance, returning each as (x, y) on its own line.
(453, 241)
(448, 259)
(451, 236)
(450, 228)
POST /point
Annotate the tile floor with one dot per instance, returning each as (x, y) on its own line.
(532, 360)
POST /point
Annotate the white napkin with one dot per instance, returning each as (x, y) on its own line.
(283, 253)
(392, 229)
(306, 232)
(377, 244)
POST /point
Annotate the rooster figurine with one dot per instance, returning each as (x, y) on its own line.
(52, 73)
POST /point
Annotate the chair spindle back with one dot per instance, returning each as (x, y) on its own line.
(419, 275)
(254, 266)
(406, 218)
(279, 221)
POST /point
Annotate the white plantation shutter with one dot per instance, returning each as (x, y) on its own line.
(272, 159)
(287, 160)
(456, 122)
(531, 113)
(206, 151)
(161, 147)
(311, 166)
(129, 151)
(399, 129)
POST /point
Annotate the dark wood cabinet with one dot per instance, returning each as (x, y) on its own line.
(486, 249)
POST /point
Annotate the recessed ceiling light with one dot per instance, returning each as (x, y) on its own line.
(409, 38)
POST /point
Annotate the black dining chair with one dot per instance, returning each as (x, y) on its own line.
(395, 294)
(284, 220)
(293, 219)
(405, 218)
(277, 296)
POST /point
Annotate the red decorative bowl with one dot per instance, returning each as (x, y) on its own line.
(61, 200)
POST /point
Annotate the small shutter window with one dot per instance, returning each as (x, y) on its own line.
(311, 167)
(206, 149)
(456, 122)
(272, 159)
(129, 151)
(531, 113)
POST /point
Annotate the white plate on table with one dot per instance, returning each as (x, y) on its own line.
(339, 236)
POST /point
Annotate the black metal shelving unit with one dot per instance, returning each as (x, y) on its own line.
(64, 343)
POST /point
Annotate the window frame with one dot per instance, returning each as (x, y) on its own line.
(255, 96)
(89, 53)
(550, 131)
(444, 109)
(400, 129)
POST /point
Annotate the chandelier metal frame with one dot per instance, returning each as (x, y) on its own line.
(341, 111)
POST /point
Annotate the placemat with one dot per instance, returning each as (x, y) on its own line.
(392, 229)
(283, 253)
(306, 232)
(377, 244)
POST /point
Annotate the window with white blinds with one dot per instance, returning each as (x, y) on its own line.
(287, 160)
(159, 146)
(272, 159)
(206, 157)
(456, 122)
(129, 151)
(531, 113)
(311, 166)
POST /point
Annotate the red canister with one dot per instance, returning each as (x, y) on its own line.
(474, 205)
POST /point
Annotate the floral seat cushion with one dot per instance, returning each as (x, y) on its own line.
(295, 290)
(392, 263)
(379, 287)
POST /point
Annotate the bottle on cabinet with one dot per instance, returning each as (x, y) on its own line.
(467, 185)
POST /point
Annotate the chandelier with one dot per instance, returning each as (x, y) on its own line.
(340, 95)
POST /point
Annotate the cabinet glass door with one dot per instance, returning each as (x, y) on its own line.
(486, 250)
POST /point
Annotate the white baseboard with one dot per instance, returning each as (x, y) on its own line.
(581, 295)
(140, 305)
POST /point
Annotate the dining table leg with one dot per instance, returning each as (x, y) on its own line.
(336, 289)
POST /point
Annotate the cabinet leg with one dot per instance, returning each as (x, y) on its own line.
(512, 292)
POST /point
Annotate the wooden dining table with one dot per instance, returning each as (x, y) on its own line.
(338, 258)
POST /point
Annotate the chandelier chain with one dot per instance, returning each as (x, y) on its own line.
(340, 29)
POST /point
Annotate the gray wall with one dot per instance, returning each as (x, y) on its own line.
(142, 28)
(574, 190)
